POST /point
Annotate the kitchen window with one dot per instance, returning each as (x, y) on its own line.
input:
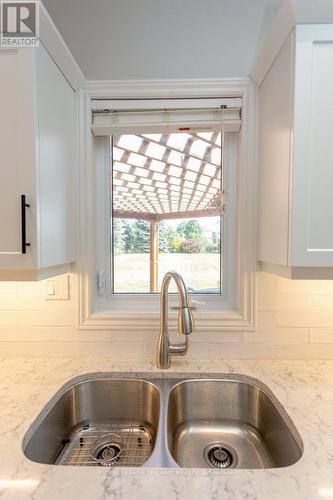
(165, 179)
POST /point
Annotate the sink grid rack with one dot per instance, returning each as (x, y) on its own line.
(135, 442)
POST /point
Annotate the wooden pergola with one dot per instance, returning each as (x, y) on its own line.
(166, 176)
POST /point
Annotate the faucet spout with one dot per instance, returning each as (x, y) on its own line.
(165, 349)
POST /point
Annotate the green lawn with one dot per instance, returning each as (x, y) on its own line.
(198, 270)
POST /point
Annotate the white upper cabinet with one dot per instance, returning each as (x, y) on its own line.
(38, 159)
(296, 157)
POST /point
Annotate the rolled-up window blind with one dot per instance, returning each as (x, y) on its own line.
(116, 117)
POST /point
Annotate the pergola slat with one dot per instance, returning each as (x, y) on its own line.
(190, 214)
(158, 186)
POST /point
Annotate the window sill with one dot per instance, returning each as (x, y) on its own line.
(150, 322)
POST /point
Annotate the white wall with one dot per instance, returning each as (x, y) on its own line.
(295, 321)
(143, 39)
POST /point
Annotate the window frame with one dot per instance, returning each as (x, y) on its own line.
(149, 302)
(144, 307)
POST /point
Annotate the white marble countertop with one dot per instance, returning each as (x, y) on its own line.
(304, 388)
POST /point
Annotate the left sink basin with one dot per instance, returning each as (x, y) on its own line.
(97, 422)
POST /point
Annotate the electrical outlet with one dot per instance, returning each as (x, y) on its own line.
(58, 288)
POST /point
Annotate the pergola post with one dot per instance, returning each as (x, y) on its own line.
(153, 256)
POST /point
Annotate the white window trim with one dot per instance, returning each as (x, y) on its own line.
(243, 316)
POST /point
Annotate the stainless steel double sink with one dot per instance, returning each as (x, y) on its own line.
(218, 422)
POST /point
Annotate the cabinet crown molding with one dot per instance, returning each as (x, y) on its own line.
(290, 14)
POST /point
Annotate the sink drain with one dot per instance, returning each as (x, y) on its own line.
(109, 454)
(108, 449)
(217, 455)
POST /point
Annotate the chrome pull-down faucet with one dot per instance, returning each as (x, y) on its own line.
(185, 321)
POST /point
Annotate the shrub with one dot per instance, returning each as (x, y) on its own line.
(192, 246)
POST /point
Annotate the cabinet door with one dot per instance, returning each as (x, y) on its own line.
(16, 156)
(56, 103)
(312, 184)
(275, 96)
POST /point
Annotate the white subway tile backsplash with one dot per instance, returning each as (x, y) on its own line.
(8, 318)
(321, 302)
(322, 287)
(9, 349)
(53, 349)
(204, 338)
(198, 351)
(8, 288)
(59, 317)
(274, 302)
(39, 334)
(10, 303)
(295, 320)
(321, 335)
(243, 351)
(266, 283)
(305, 319)
(48, 349)
(119, 350)
(278, 336)
(305, 351)
(150, 350)
(114, 336)
(266, 319)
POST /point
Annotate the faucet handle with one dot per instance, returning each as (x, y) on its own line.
(196, 304)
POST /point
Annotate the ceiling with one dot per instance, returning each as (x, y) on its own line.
(157, 39)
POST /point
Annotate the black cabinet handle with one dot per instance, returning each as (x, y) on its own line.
(24, 205)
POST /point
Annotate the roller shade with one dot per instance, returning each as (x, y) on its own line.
(166, 116)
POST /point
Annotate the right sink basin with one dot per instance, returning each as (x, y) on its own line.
(229, 424)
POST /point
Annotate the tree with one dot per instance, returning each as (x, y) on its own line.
(118, 235)
(166, 235)
(141, 236)
(128, 237)
(190, 230)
